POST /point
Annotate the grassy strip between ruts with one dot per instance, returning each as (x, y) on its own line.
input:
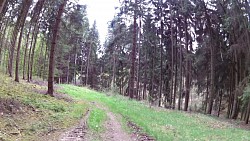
(27, 115)
(96, 120)
(163, 124)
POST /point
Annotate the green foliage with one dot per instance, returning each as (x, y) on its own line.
(163, 124)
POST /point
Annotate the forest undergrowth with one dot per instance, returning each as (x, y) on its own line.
(26, 113)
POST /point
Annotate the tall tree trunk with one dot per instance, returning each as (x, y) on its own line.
(40, 58)
(138, 61)
(25, 52)
(220, 100)
(13, 42)
(175, 71)
(2, 40)
(180, 91)
(172, 59)
(145, 79)
(45, 58)
(161, 54)
(18, 55)
(113, 69)
(207, 93)
(2, 3)
(187, 84)
(68, 68)
(33, 53)
(236, 100)
(53, 47)
(30, 52)
(212, 73)
(133, 58)
(248, 112)
(88, 64)
(211, 97)
(75, 64)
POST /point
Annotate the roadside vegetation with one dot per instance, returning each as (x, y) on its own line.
(160, 123)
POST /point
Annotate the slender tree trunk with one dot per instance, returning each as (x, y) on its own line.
(187, 84)
(33, 53)
(113, 69)
(139, 60)
(152, 75)
(45, 58)
(68, 67)
(175, 72)
(53, 47)
(145, 79)
(30, 53)
(220, 100)
(88, 64)
(20, 22)
(161, 58)
(211, 97)
(82, 63)
(248, 112)
(133, 58)
(12, 48)
(207, 93)
(2, 2)
(180, 91)
(235, 102)
(40, 58)
(172, 59)
(18, 55)
(2, 40)
(25, 52)
(75, 65)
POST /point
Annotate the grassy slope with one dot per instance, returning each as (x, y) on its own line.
(41, 117)
(163, 124)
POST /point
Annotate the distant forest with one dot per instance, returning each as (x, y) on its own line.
(177, 54)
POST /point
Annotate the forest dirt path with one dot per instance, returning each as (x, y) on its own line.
(77, 133)
(113, 129)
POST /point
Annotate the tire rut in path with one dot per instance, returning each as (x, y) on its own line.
(77, 133)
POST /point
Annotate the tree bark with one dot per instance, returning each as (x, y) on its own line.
(172, 59)
(14, 39)
(248, 112)
(53, 48)
(161, 56)
(2, 2)
(33, 53)
(18, 55)
(138, 62)
(133, 58)
(180, 91)
(88, 64)
(187, 83)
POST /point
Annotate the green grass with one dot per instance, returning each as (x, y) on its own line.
(42, 117)
(96, 120)
(163, 124)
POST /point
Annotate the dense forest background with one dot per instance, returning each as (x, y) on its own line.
(178, 54)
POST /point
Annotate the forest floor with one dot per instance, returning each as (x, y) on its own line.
(81, 114)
